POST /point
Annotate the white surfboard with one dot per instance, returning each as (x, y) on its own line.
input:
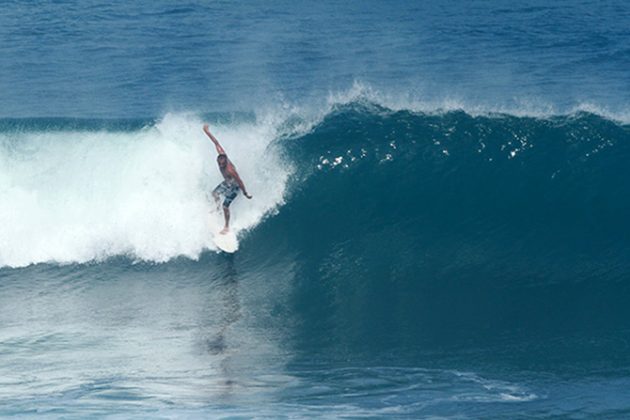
(226, 242)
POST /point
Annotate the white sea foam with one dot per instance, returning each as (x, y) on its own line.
(77, 196)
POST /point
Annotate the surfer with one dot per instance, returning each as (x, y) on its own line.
(231, 181)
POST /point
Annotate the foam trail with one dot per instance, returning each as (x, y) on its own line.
(76, 196)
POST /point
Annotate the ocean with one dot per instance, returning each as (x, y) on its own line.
(439, 224)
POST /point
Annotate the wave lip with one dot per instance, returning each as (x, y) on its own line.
(526, 106)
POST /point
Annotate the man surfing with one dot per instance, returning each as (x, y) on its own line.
(231, 181)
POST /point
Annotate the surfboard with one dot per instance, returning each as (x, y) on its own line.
(226, 242)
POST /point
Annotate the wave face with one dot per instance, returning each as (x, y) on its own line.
(76, 191)
(417, 226)
(489, 185)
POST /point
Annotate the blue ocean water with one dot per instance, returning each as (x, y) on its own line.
(438, 230)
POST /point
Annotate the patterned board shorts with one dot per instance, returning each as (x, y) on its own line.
(228, 190)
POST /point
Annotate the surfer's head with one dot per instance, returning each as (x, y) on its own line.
(222, 160)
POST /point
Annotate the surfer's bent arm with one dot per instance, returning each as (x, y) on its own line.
(214, 140)
(239, 181)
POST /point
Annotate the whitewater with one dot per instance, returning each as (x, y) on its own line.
(71, 196)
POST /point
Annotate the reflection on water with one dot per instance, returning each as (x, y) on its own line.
(179, 334)
(214, 338)
(229, 314)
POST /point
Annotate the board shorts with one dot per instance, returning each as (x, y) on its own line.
(227, 190)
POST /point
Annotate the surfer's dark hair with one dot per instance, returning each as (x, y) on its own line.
(222, 155)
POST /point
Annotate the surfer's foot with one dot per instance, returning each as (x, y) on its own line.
(225, 230)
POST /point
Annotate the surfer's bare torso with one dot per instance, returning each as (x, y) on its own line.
(229, 173)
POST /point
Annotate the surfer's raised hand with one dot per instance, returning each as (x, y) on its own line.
(214, 140)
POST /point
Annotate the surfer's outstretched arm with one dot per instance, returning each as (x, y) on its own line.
(214, 140)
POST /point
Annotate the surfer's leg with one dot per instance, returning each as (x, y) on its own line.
(219, 189)
(230, 195)
(226, 214)
(216, 200)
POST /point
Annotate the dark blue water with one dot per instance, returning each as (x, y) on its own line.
(439, 224)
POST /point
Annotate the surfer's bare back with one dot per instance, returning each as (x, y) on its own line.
(231, 181)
